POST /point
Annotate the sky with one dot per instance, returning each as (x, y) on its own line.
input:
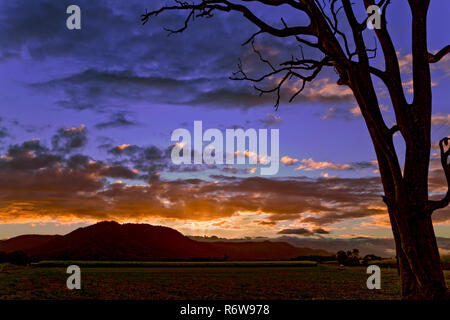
(86, 118)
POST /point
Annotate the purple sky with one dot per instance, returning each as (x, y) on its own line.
(115, 83)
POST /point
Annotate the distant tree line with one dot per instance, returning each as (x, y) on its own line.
(346, 258)
(352, 258)
(16, 257)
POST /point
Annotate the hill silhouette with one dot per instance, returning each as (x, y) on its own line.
(110, 240)
(25, 242)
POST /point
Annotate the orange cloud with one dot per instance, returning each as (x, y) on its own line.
(288, 160)
(310, 164)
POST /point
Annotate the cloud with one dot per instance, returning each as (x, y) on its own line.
(3, 131)
(326, 89)
(271, 120)
(342, 113)
(321, 231)
(288, 160)
(149, 68)
(235, 170)
(355, 111)
(119, 149)
(39, 183)
(117, 120)
(310, 164)
(304, 232)
(30, 155)
(265, 223)
(440, 119)
(66, 140)
(405, 62)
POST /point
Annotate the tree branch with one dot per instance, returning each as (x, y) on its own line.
(289, 69)
(391, 77)
(433, 58)
(434, 205)
(206, 8)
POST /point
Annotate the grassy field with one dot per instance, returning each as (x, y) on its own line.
(201, 282)
(177, 264)
(392, 263)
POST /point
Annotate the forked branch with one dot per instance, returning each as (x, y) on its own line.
(206, 8)
(285, 72)
(444, 147)
(433, 58)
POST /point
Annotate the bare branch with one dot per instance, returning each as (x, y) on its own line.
(394, 129)
(434, 205)
(433, 58)
(391, 77)
(334, 25)
(206, 8)
(288, 70)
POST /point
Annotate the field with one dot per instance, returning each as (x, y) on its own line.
(165, 264)
(252, 281)
(392, 263)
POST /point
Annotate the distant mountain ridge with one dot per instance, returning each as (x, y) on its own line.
(383, 247)
(110, 240)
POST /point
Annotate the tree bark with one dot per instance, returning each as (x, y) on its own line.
(418, 256)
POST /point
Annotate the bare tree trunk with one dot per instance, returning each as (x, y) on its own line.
(418, 256)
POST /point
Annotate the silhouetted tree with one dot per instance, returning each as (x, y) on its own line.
(348, 258)
(371, 257)
(3, 257)
(341, 257)
(405, 191)
(19, 258)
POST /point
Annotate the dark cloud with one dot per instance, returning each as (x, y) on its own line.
(33, 171)
(105, 75)
(26, 147)
(99, 89)
(117, 120)
(304, 232)
(297, 231)
(122, 149)
(30, 155)
(321, 231)
(117, 172)
(38, 182)
(3, 130)
(148, 160)
(68, 139)
(84, 192)
(78, 161)
(266, 223)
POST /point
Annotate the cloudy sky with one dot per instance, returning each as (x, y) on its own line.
(86, 118)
